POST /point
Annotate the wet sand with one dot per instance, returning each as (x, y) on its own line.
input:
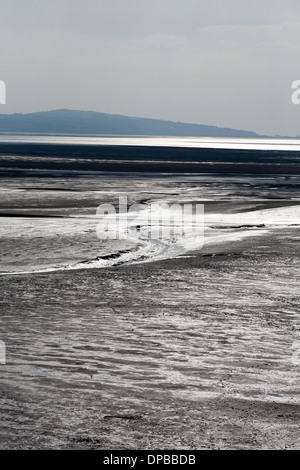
(194, 352)
(189, 353)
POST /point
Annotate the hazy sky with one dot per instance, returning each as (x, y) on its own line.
(229, 63)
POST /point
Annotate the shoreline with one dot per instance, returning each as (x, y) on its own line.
(197, 351)
(221, 227)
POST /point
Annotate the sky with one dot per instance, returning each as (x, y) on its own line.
(229, 63)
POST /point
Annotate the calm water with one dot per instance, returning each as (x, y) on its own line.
(188, 142)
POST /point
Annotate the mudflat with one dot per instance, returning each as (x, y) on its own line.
(199, 351)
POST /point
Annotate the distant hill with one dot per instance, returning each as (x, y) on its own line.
(65, 121)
